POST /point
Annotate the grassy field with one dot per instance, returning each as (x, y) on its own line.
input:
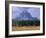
(20, 28)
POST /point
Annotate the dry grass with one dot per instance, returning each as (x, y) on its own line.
(20, 28)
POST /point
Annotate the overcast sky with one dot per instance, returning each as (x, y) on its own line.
(35, 12)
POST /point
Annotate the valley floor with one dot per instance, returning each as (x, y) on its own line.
(21, 28)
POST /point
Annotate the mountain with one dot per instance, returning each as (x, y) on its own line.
(25, 16)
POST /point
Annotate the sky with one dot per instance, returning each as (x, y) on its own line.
(34, 12)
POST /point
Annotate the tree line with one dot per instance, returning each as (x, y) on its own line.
(26, 23)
